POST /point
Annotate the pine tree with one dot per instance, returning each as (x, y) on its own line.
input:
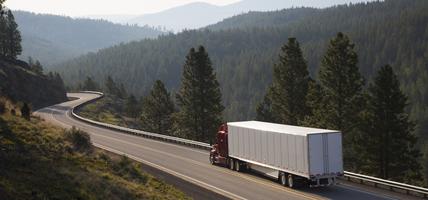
(3, 28)
(389, 145)
(35, 66)
(132, 106)
(90, 85)
(265, 111)
(290, 85)
(13, 37)
(341, 84)
(313, 103)
(199, 98)
(121, 92)
(58, 81)
(157, 110)
(110, 86)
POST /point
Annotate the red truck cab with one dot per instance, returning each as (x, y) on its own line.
(219, 152)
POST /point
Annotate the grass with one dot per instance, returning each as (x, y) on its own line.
(109, 110)
(41, 161)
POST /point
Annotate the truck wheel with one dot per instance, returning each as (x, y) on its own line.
(212, 159)
(282, 179)
(290, 181)
(237, 165)
(231, 164)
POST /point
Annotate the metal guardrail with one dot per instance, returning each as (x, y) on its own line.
(386, 184)
(145, 134)
(376, 182)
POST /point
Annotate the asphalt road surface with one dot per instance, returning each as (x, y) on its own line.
(189, 169)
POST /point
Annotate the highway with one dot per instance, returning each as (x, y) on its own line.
(191, 166)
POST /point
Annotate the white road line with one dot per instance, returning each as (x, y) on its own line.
(177, 174)
(187, 178)
(349, 187)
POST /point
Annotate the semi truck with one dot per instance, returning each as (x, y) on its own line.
(293, 155)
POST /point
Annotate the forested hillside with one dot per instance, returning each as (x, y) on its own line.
(264, 19)
(53, 39)
(21, 81)
(391, 32)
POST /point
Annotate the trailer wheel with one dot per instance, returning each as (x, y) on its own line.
(290, 181)
(282, 179)
(237, 165)
(231, 164)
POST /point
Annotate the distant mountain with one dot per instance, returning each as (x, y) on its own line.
(120, 19)
(197, 15)
(190, 16)
(52, 39)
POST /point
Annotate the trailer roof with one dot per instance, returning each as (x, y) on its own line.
(280, 128)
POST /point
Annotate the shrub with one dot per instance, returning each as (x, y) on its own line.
(80, 139)
(126, 167)
(2, 106)
(26, 111)
(104, 157)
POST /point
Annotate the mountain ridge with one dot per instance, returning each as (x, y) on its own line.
(199, 14)
(53, 38)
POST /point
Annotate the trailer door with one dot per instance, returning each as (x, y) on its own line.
(325, 154)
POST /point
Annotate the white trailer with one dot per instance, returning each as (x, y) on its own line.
(289, 153)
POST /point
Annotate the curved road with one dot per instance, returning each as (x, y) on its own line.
(191, 169)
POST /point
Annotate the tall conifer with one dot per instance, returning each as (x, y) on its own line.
(157, 110)
(264, 110)
(3, 28)
(90, 85)
(290, 84)
(132, 106)
(389, 143)
(13, 37)
(111, 86)
(286, 97)
(342, 98)
(199, 98)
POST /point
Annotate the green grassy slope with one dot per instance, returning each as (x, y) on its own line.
(40, 161)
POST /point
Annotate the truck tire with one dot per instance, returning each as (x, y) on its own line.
(231, 164)
(237, 165)
(282, 178)
(212, 159)
(290, 181)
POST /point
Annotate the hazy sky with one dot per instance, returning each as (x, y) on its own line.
(101, 7)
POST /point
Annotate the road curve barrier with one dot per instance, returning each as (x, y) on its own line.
(349, 176)
(171, 139)
(386, 184)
